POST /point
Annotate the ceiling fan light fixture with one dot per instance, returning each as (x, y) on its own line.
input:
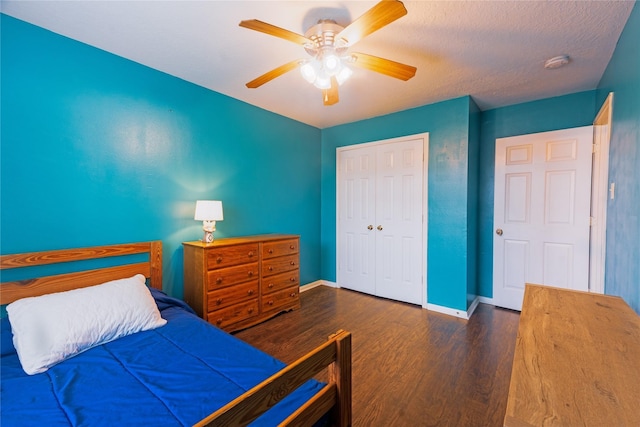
(343, 74)
(331, 63)
(308, 72)
(322, 82)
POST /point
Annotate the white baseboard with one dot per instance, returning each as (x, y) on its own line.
(473, 306)
(462, 314)
(316, 284)
(486, 300)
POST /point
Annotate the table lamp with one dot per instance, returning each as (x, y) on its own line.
(208, 211)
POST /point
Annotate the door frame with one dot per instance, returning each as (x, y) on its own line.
(425, 198)
(599, 195)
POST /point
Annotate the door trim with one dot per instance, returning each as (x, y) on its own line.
(425, 220)
(600, 195)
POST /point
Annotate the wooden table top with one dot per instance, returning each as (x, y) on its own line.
(576, 362)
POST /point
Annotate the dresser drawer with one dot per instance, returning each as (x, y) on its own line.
(226, 297)
(232, 255)
(281, 281)
(281, 300)
(224, 277)
(235, 313)
(279, 248)
(279, 265)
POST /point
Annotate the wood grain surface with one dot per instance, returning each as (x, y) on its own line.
(13, 290)
(576, 362)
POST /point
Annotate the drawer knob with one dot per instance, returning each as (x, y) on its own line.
(250, 254)
(250, 291)
(219, 280)
(250, 273)
(270, 302)
(219, 301)
(293, 294)
(250, 310)
(292, 279)
(292, 263)
(292, 247)
(270, 268)
(219, 259)
(270, 251)
(219, 321)
(270, 285)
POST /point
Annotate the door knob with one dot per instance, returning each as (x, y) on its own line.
(379, 228)
(370, 227)
(499, 231)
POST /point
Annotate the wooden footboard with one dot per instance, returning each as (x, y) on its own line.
(334, 398)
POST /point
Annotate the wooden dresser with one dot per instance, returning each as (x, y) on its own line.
(576, 362)
(238, 282)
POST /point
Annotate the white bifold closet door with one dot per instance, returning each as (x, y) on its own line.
(380, 219)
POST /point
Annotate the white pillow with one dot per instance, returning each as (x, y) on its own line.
(51, 328)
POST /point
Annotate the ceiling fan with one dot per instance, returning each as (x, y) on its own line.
(327, 44)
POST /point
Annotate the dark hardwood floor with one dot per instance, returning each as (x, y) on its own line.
(411, 366)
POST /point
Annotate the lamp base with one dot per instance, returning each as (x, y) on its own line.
(208, 227)
(208, 237)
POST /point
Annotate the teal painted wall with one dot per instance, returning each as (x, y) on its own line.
(539, 116)
(448, 126)
(473, 195)
(96, 149)
(622, 76)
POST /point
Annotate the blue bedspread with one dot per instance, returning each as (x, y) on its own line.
(174, 375)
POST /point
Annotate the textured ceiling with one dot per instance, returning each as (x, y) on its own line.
(492, 50)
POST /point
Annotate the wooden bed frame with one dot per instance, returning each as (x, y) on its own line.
(335, 354)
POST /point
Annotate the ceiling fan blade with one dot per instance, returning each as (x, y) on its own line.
(375, 18)
(276, 72)
(384, 66)
(330, 96)
(272, 30)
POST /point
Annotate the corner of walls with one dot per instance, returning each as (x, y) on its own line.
(472, 203)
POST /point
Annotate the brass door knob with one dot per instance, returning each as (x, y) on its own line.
(379, 228)
(370, 227)
(499, 231)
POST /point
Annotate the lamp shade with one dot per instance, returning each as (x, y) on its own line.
(208, 210)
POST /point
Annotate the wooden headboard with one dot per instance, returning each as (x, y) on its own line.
(12, 291)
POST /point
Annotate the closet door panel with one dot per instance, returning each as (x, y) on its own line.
(356, 216)
(399, 221)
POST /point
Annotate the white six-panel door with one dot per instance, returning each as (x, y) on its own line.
(541, 213)
(380, 219)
